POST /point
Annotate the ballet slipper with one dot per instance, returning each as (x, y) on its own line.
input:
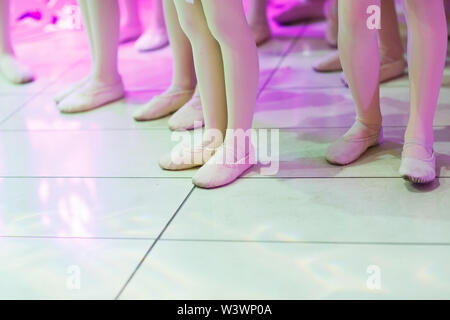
(188, 155)
(261, 33)
(129, 33)
(14, 71)
(389, 70)
(301, 11)
(354, 143)
(418, 169)
(74, 87)
(224, 167)
(329, 63)
(188, 117)
(163, 105)
(152, 40)
(92, 95)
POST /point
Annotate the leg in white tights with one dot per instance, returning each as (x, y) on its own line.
(226, 63)
(427, 49)
(258, 21)
(427, 45)
(155, 37)
(10, 68)
(359, 53)
(183, 79)
(301, 10)
(392, 62)
(104, 85)
(131, 27)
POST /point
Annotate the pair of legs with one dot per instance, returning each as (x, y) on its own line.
(152, 39)
(181, 96)
(427, 48)
(104, 84)
(10, 68)
(391, 49)
(226, 65)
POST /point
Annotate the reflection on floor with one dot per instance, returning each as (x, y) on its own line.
(85, 211)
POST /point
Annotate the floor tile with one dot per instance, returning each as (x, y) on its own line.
(302, 154)
(41, 114)
(211, 270)
(334, 107)
(89, 208)
(66, 269)
(55, 55)
(120, 153)
(11, 103)
(355, 210)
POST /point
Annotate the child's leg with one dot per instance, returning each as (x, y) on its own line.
(226, 20)
(10, 68)
(301, 10)
(155, 37)
(427, 48)
(258, 21)
(105, 84)
(211, 85)
(131, 27)
(392, 62)
(229, 27)
(359, 53)
(87, 25)
(208, 63)
(183, 79)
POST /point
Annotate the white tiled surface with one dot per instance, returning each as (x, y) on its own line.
(84, 193)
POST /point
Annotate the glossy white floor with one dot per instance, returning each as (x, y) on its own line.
(85, 211)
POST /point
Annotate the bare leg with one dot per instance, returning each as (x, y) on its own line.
(11, 69)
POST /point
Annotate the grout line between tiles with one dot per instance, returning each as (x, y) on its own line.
(238, 241)
(153, 244)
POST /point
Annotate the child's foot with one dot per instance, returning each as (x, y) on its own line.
(301, 11)
(163, 105)
(329, 63)
(74, 87)
(227, 165)
(152, 40)
(261, 32)
(354, 143)
(130, 33)
(91, 95)
(389, 70)
(188, 117)
(188, 155)
(418, 162)
(14, 71)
